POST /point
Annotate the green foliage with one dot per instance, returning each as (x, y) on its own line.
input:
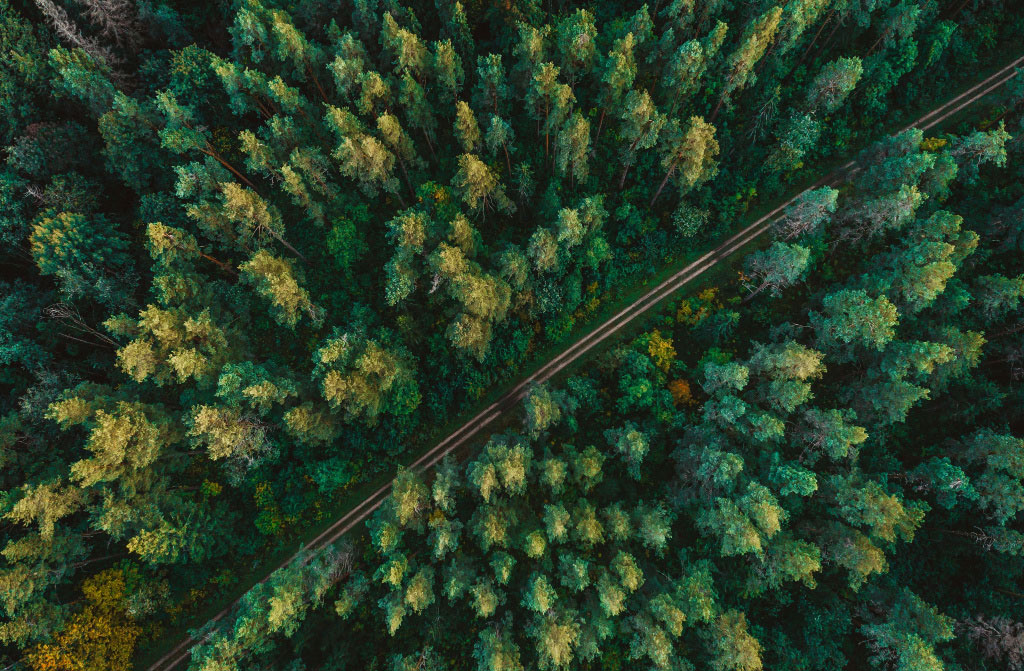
(86, 255)
(255, 255)
(275, 279)
(363, 378)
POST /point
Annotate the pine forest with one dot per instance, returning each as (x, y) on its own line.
(502, 335)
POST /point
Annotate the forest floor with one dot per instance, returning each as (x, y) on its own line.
(623, 316)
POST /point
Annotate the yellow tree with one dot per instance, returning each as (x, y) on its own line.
(689, 156)
(275, 279)
(101, 637)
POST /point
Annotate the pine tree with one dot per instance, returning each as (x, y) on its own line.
(641, 124)
(374, 93)
(908, 633)
(228, 434)
(479, 186)
(980, 148)
(688, 65)
(496, 651)
(741, 62)
(254, 217)
(361, 157)
(797, 136)
(87, 255)
(542, 410)
(572, 148)
(617, 79)
(181, 133)
(418, 111)
(775, 268)
(576, 40)
(550, 101)
(807, 215)
(500, 135)
(448, 68)
(692, 154)
(735, 649)
(275, 279)
(492, 88)
(852, 316)
(529, 53)
(350, 63)
(409, 54)
(797, 17)
(467, 131)
(833, 83)
(365, 379)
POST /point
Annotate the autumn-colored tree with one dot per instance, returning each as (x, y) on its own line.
(101, 636)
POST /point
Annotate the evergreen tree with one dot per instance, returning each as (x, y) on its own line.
(692, 154)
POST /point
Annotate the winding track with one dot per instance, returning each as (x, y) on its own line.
(512, 398)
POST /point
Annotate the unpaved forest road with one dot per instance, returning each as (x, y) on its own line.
(512, 398)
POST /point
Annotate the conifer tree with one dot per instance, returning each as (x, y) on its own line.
(833, 83)
(641, 125)
(467, 131)
(572, 148)
(690, 156)
(617, 78)
(807, 214)
(741, 62)
(776, 268)
(448, 67)
(550, 101)
(479, 186)
(275, 279)
(576, 40)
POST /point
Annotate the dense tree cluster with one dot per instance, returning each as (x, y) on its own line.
(840, 485)
(257, 253)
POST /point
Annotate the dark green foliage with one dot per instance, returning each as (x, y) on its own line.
(256, 255)
(841, 490)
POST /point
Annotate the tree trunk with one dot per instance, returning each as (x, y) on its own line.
(1002, 116)
(959, 9)
(398, 197)
(629, 152)
(320, 90)
(408, 183)
(810, 46)
(828, 40)
(622, 180)
(764, 285)
(290, 248)
(721, 98)
(220, 264)
(663, 183)
(877, 42)
(429, 145)
(718, 105)
(261, 107)
(99, 559)
(764, 59)
(209, 151)
(84, 342)
(547, 115)
(600, 123)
